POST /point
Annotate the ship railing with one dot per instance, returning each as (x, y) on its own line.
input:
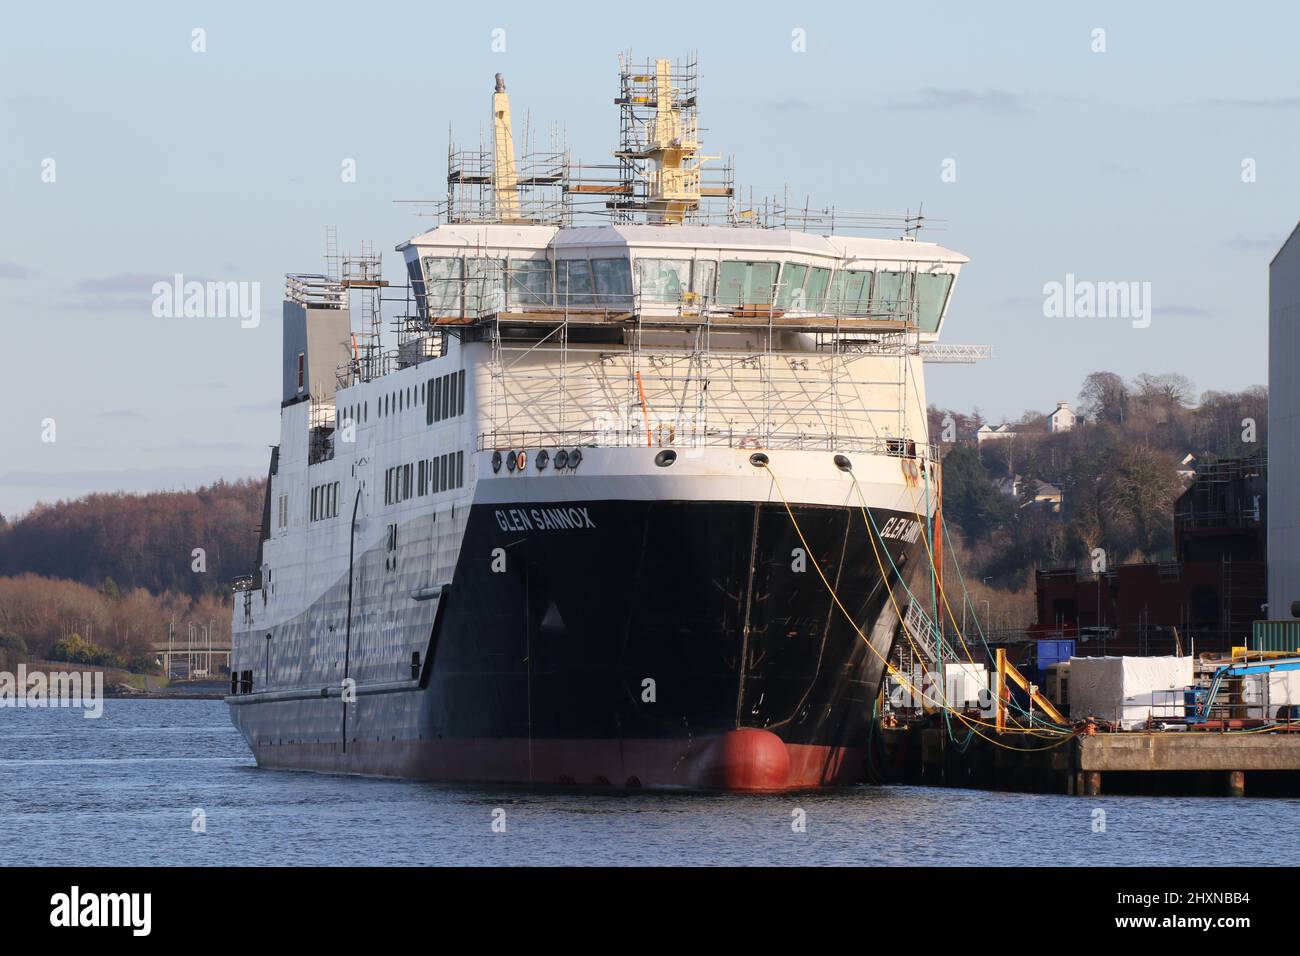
(665, 436)
(314, 291)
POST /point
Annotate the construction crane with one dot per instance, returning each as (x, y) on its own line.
(1201, 713)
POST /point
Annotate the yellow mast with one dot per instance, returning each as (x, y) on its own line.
(505, 182)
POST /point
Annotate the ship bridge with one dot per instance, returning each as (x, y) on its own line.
(679, 275)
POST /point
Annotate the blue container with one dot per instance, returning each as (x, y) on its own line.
(1053, 652)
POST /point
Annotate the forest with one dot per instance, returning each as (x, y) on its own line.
(1117, 470)
(98, 579)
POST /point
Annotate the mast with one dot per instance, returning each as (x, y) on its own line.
(505, 181)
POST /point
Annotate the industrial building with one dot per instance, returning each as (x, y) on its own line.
(1284, 429)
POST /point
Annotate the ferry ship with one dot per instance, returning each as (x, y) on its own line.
(633, 493)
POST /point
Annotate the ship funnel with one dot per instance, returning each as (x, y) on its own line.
(505, 181)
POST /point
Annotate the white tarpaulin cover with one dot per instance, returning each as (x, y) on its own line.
(1126, 690)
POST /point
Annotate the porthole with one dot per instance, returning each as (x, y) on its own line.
(562, 462)
(575, 458)
(842, 463)
(510, 461)
(496, 461)
(543, 457)
(665, 458)
(758, 460)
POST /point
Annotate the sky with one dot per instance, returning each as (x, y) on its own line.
(1163, 150)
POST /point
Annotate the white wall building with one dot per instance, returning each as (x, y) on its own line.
(1284, 428)
(1063, 419)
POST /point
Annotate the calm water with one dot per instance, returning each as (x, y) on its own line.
(122, 790)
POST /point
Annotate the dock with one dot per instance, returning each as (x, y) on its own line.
(1203, 763)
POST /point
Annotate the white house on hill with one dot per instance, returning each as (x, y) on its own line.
(1063, 419)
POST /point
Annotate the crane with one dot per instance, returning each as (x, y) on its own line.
(1201, 713)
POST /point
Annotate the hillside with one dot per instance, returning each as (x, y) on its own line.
(140, 541)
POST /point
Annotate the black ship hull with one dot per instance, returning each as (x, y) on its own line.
(630, 643)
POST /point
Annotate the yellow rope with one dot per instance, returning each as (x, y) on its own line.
(889, 668)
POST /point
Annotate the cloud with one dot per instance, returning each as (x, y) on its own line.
(1263, 103)
(12, 270)
(124, 283)
(1117, 169)
(789, 104)
(128, 413)
(990, 102)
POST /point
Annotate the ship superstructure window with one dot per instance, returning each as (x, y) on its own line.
(613, 278)
(530, 283)
(325, 501)
(445, 398)
(445, 472)
(932, 290)
(485, 286)
(282, 512)
(851, 292)
(573, 283)
(791, 286)
(417, 282)
(814, 290)
(747, 283)
(663, 281)
(302, 370)
(442, 279)
(893, 295)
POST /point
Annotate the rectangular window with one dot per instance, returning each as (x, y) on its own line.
(613, 278)
(421, 481)
(428, 404)
(893, 296)
(814, 292)
(442, 279)
(437, 399)
(445, 385)
(747, 283)
(485, 286)
(573, 283)
(931, 295)
(406, 482)
(460, 390)
(791, 291)
(460, 469)
(663, 281)
(302, 370)
(311, 510)
(851, 292)
(530, 284)
(706, 271)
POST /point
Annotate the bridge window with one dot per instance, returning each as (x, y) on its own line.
(442, 276)
(932, 290)
(851, 292)
(485, 286)
(613, 282)
(663, 280)
(747, 283)
(893, 295)
(791, 291)
(530, 283)
(573, 282)
(814, 292)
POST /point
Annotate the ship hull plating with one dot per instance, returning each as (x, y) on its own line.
(627, 643)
